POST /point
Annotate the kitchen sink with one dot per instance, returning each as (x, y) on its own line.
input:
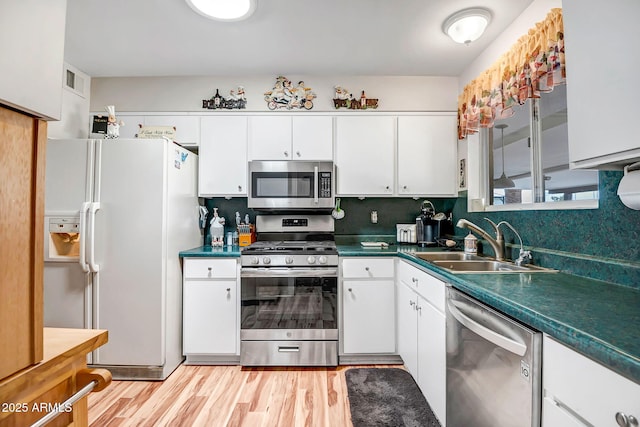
(447, 256)
(488, 266)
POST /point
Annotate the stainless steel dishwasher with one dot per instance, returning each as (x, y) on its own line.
(493, 367)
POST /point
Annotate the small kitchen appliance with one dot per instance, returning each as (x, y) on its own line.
(291, 185)
(406, 233)
(427, 229)
(289, 288)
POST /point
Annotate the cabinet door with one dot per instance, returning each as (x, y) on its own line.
(187, 127)
(587, 388)
(407, 328)
(313, 138)
(368, 316)
(22, 167)
(365, 155)
(432, 357)
(222, 169)
(555, 416)
(270, 138)
(601, 135)
(427, 155)
(210, 317)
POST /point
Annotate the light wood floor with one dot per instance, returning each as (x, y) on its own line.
(214, 396)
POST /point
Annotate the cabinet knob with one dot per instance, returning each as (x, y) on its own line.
(366, 268)
(412, 303)
(387, 188)
(404, 187)
(286, 154)
(350, 290)
(298, 154)
(625, 420)
(228, 289)
(239, 187)
(414, 280)
(419, 308)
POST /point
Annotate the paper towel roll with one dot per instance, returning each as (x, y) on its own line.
(629, 188)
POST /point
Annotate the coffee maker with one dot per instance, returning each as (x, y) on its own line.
(427, 228)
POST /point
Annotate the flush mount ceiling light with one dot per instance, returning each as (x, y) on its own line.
(467, 25)
(224, 10)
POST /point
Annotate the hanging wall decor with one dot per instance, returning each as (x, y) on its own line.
(344, 99)
(284, 95)
(235, 101)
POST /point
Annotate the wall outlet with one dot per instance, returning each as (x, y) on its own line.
(374, 217)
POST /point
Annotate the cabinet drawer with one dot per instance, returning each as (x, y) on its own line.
(367, 268)
(589, 389)
(423, 283)
(210, 268)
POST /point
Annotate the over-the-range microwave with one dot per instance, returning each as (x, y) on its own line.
(291, 185)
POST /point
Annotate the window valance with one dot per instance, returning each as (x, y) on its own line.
(534, 64)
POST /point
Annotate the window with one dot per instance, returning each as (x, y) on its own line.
(535, 172)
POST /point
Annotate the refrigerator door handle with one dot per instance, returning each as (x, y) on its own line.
(95, 207)
(83, 237)
(486, 333)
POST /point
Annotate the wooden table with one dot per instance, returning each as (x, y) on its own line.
(31, 393)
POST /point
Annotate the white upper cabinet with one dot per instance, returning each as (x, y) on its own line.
(32, 60)
(222, 169)
(365, 155)
(279, 137)
(427, 155)
(312, 138)
(601, 43)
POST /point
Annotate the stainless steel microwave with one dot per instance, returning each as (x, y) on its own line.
(292, 184)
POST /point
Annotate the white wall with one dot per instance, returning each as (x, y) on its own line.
(395, 93)
(74, 118)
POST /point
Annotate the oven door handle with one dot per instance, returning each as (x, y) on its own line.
(289, 272)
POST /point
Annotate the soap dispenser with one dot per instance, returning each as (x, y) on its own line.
(471, 244)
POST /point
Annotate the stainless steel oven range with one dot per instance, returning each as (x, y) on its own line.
(289, 288)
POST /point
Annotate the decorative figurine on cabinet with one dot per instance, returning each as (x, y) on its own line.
(236, 100)
(113, 125)
(283, 95)
(344, 99)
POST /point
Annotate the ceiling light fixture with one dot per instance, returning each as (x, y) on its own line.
(224, 10)
(467, 25)
(504, 181)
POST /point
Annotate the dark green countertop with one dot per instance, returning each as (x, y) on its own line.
(211, 252)
(598, 319)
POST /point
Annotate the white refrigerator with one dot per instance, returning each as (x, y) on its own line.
(117, 213)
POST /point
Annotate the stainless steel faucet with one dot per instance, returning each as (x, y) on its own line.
(524, 256)
(497, 244)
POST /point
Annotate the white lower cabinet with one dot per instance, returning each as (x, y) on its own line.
(210, 308)
(421, 333)
(368, 306)
(581, 392)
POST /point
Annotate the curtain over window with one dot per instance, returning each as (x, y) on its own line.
(534, 64)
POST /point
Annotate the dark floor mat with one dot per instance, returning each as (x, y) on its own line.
(387, 397)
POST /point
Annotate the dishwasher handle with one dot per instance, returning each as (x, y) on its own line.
(486, 333)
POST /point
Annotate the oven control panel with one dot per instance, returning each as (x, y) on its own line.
(282, 260)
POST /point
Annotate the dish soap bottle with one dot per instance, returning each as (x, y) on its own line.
(217, 229)
(470, 244)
